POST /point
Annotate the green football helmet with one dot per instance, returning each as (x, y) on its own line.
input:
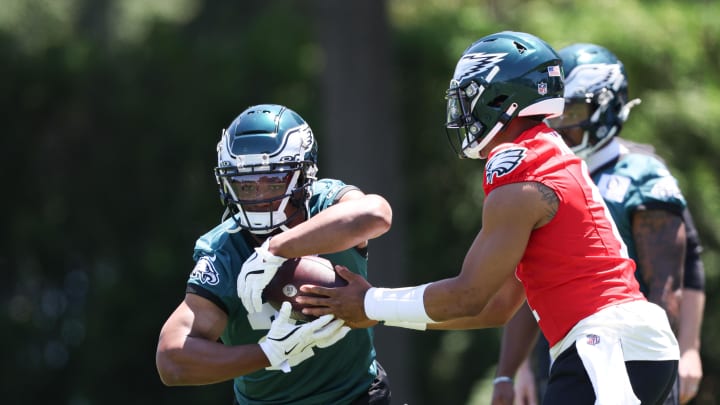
(500, 77)
(596, 98)
(267, 159)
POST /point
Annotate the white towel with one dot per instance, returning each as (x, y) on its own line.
(601, 353)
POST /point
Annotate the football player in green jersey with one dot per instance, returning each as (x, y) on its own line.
(276, 208)
(648, 208)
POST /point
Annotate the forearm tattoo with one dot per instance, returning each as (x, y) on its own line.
(659, 239)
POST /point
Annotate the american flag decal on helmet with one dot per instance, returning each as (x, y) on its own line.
(504, 162)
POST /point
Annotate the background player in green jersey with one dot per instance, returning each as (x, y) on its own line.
(276, 208)
(647, 207)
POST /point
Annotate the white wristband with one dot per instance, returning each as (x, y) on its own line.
(397, 304)
(502, 379)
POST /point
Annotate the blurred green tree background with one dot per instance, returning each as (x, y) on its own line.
(111, 112)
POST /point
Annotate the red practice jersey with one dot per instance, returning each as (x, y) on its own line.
(577, 264)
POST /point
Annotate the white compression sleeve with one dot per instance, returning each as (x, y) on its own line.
(397, 305)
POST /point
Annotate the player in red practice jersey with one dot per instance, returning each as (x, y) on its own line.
(589, 262)
(546, 236)
(648, 208)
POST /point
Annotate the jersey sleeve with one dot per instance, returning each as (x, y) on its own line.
(217, 266)
(327, 192)
(694, 276)
(656, 187)
(531, 157)
(508, 163)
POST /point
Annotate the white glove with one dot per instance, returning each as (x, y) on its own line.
(292, 361)
(255, 274)
(288, 344)
(331, 333)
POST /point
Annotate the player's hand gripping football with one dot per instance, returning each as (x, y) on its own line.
(346, 303)
(287, 344)
(255, 274)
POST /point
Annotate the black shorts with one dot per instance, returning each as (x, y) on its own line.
(569, 382)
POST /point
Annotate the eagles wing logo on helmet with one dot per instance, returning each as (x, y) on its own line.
(475, 63)
(592, 78)
(503, 163)
(307, 138)
(301, 145)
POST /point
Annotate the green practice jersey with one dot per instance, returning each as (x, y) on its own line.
(636, 180)
(334, 375)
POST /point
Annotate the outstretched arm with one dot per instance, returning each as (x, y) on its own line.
(500, 308)
(510, 214)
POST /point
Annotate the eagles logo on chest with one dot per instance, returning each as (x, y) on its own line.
(204, 271)
(503, 163)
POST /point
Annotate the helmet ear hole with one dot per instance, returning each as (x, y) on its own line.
(498, 101)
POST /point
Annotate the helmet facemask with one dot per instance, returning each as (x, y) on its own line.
(257, 199)
(264, 192)
(467, 134)
(601, 90)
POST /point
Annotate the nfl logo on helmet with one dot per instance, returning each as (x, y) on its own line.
(542, 88)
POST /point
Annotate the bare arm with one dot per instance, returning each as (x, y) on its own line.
(660, 241)
(355, 219)
(510, 214)
(188, 351)
(496, 312)
(692, 305)
(518, 339)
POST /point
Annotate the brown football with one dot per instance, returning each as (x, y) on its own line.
(293, 273)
